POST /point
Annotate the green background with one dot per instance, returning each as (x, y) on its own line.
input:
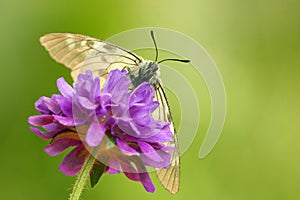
(256, 46)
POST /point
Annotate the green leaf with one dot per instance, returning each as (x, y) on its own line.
(110, 142)
(96, 172)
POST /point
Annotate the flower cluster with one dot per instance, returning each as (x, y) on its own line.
(114, 120)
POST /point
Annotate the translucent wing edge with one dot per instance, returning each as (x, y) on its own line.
(168, 177)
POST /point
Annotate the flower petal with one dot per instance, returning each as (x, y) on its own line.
(125, 148)
(40, 120)
(165, 135)
(95, 90)
(130, 171)
(86, 103)
(64, 88)
(114, 166)
(66, 121)
(135, 175)
(147, 182)
(141, 115)
(43, 135)
(117, 85)
(153, 106)
(41, 107)
(58, 146)
(166, 158)
(52, 105)
(54, 127)
(73, 162)
(149, 151)
(126, 125)
(143, 94)
(65, 105)
(87, 86)
(104, 104)
(95, 134)
(113, 78)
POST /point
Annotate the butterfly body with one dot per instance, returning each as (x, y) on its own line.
(147, 72)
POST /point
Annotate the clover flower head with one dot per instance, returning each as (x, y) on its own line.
(113, 123)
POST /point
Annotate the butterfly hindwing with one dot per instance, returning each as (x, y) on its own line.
(168, 177)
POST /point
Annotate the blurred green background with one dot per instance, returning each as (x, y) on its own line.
(256, 46)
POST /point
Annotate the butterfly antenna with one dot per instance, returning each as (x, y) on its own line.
(168, 59)
(174, 59)
(153, 39)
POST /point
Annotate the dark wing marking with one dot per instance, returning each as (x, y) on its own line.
(81, 53)
(169, 177)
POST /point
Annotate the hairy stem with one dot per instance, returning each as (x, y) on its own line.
(82, 178)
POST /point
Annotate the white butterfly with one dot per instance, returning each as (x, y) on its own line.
(81, 53)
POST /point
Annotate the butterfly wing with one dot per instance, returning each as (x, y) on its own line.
(168, 177)
(81, 53)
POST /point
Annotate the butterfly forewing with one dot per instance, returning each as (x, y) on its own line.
(81, 53)
(169, 177)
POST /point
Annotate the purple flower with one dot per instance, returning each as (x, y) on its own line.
(116, 120)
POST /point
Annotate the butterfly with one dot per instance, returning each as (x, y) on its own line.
(81, 53)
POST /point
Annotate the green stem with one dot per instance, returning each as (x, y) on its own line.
(82, 178)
